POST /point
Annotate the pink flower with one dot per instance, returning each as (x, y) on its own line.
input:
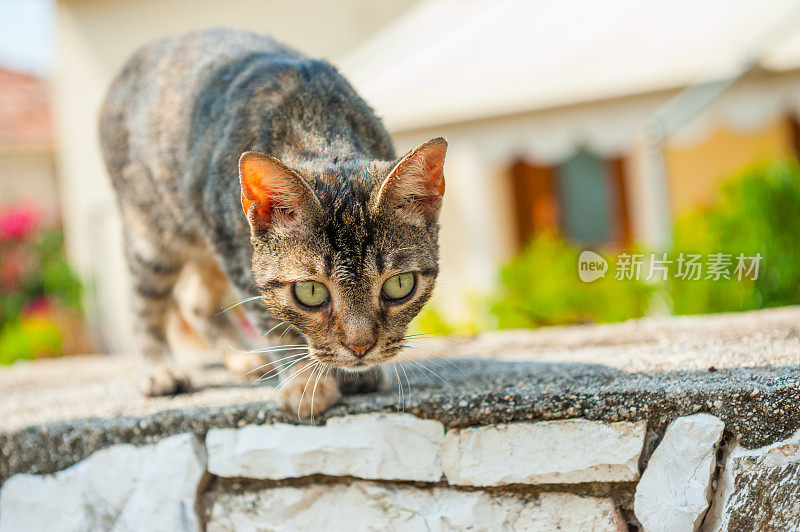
(18, 222)
(37, 307)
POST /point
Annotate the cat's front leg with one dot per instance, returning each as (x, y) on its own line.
(154, 279)
(308, 391)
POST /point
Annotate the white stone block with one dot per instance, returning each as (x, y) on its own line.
(675, 489)
(545, 452)
(365, 505)
(121, 488)
(372, 446)
(759, 489)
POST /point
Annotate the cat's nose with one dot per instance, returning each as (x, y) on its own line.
(360, 350)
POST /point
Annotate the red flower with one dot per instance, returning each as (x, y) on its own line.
(17, 223)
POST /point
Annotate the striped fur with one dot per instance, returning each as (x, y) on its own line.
(174, 124)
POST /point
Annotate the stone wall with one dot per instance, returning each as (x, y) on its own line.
(397, 471)
(660, 424)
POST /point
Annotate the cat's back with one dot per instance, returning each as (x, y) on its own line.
(147, 113)
(180, 65)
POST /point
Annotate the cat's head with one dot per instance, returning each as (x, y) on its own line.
(347, 254)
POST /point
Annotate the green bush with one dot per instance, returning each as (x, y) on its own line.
(540, 286)
(29, 338)
(758, 211)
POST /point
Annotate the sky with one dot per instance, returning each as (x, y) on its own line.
(26, 35)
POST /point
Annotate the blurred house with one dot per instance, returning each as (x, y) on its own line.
(27, 157)
(603, 120)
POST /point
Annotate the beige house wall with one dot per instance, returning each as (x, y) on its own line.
(29, 178)
(94, 38)
(695, 170)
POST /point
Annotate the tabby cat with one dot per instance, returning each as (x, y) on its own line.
(241, 162)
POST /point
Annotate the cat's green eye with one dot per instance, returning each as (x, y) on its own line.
(311, 293)
(398, 286)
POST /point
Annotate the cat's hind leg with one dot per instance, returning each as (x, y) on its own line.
(154, 273)
(204, 299)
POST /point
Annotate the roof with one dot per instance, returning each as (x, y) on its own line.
(25, 113)
(453, 60)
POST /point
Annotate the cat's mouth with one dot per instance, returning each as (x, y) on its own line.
(346, 361)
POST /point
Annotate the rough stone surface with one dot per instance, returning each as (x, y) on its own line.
(675, 490)
(743, 369)
(119, 488)
(547, 452)
(372, 446)
(759, 489)
(363, 505)
(759, 406)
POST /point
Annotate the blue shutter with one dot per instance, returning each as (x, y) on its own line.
(585, 199)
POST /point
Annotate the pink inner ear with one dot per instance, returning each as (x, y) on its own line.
(268, 189)
(432, 159)
(435, 180)
(257, 189)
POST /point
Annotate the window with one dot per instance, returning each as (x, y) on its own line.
(583, 198)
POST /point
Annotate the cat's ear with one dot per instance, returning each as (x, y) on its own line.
(272, 193)
(415, 186)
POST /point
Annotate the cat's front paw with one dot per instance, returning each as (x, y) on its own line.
(164, 380)
(311, 400)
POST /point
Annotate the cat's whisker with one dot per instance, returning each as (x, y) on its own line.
(267, 349)
(286, 330)
(314, 368)
(272, 329)
(432, 372)
(433, 361)
(283, 367)
(400, 396)
(427, 336)
(274, 369)
(418, 372)
(241, 302)
(459, 368)
(275, 362)
(406, 376)
(313, 393)
(287, 357)
(276, 349)
(292, 377)
(277, 371)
